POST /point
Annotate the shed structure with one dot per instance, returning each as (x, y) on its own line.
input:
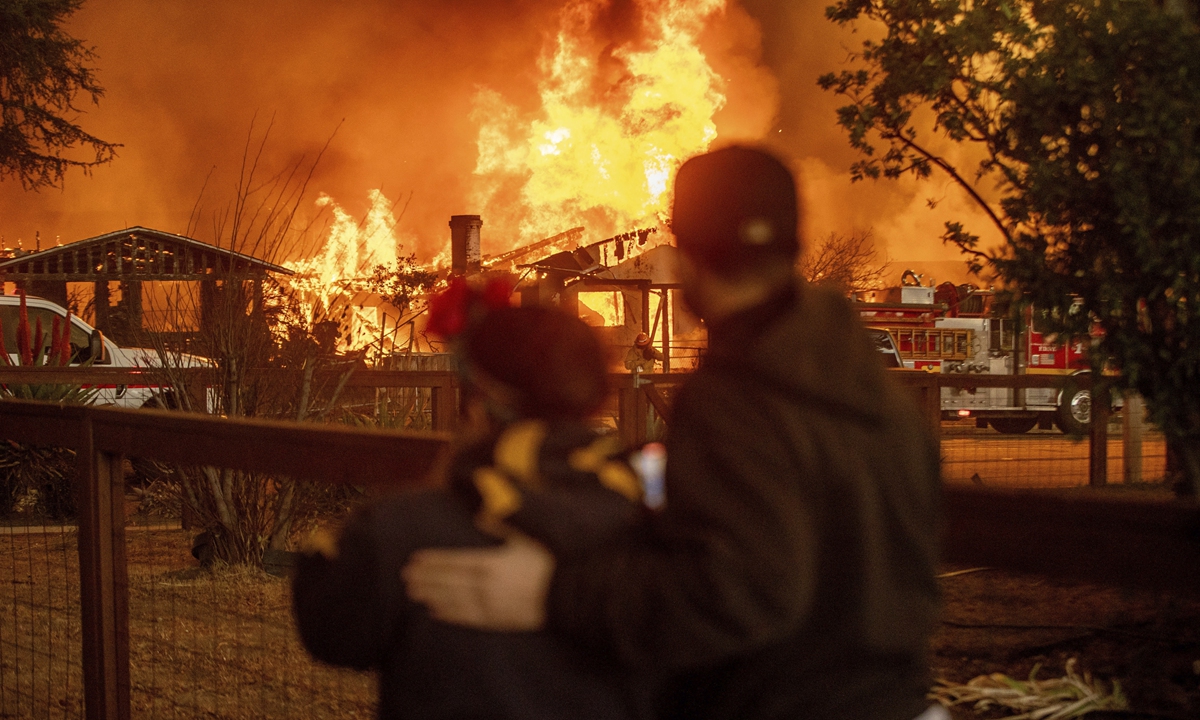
(132, 257)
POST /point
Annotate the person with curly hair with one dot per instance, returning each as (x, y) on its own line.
(528, 461)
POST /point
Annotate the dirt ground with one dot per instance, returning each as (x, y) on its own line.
(1001, 622)
(222, 645)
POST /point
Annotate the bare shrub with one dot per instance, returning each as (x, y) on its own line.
(848, 262)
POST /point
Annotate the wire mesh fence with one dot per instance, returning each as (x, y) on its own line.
(219, 641)
(40, 633)
(213, 640)
(206, 640)
(1045, 458)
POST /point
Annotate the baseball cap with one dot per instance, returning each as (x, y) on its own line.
(735, 206)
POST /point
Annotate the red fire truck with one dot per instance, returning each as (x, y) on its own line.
(951, 329)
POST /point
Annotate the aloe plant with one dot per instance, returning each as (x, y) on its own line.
(34, 351)
(42, 474)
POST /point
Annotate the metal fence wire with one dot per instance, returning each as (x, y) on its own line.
(206, 640)
(219, 642)
(1046, 458)
(40, 634)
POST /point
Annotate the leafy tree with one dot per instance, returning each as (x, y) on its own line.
(847, 262)
(401, 283)
(42, 71)
(1087, 118)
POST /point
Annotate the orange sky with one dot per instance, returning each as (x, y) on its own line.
(184, 81)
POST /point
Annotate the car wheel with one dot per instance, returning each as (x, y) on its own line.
(1075, 411)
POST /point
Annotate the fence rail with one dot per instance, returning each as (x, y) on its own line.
(1143, 543)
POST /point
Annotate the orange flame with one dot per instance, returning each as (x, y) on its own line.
(329, 284)
(617, 118)
(615, 124)
(602, 309)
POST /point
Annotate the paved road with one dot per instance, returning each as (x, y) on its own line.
(1042, 458)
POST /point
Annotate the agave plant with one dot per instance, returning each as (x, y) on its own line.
(42, 474)
(34, 351)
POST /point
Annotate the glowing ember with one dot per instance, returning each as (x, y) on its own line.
(614, 125)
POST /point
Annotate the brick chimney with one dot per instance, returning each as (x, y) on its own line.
(464, 244)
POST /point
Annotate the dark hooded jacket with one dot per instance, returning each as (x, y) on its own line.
(791, 572)
(572, 493)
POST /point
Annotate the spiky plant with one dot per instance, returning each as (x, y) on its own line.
(42, 474)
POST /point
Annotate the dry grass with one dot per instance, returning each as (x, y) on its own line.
(1071, 696)
(206, 644)
(998, 624)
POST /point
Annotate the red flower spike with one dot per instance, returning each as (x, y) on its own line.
(24, 351)
(448, 310)
(65, 345)
(39, 343)
(4, 359)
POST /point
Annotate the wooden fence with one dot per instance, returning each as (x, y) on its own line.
(1145, 543)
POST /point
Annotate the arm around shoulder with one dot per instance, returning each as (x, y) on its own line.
(727, 566)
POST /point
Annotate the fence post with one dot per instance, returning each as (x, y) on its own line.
(445, 405)
(633, 413)
(104, 580)
(1133, 421)
(1098, 432)
(932, 407)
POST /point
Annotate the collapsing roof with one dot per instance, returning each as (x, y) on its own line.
(135, 253)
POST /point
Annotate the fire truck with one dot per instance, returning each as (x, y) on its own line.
(952, 329)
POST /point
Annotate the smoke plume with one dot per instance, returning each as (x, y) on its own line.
(401, 83)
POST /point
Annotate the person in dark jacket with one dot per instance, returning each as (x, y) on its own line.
(533, 376)
(790, 572)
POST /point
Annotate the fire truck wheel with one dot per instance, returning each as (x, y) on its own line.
(1013, 425)
(1075, 411)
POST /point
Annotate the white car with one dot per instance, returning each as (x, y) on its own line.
(882, 340)
(89, 344)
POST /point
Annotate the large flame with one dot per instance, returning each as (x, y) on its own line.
(329, 284)
(615, 123)
(617, 118)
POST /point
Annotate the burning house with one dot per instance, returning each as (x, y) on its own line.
(135, 281)
(621, 285)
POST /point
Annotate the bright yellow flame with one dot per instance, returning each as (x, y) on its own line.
(326, 283)
(602, 309)
(614, 125)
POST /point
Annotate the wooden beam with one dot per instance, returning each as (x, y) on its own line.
(330, 453)
(42, 423)
(360, 377)
(91, 277)
(444, 398)
(657, 401)
(333, 453)
(104, 581)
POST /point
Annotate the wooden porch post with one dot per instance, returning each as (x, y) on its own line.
(444, 400)
(101, 301)
(104, 581)
(666, 329)
(1133, 416)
